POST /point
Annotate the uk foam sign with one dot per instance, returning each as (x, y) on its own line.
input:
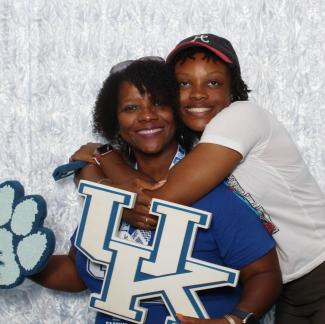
(165, 269)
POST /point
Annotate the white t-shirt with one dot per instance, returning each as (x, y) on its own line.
(273, 172)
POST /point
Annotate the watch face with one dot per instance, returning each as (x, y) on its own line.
(250, 319)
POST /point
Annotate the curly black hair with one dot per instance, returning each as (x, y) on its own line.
(239, 89)
(151, 76)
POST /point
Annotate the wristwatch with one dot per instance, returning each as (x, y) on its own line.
(246, 317)
(101, 151)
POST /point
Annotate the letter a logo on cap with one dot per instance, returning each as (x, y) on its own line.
(202, 38)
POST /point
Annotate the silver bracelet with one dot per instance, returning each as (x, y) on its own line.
(229, 319)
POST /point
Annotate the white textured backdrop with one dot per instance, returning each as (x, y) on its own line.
(55, 54)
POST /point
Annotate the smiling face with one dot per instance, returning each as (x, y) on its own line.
(205, 89)
(147, 127)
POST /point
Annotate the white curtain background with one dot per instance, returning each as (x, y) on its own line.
(55, 54)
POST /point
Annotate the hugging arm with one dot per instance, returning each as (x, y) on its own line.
(201, 170)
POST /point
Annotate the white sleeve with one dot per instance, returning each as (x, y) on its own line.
(241, 126)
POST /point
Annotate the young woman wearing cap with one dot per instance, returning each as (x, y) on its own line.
(240, 138)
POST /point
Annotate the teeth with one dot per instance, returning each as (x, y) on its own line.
(198, 109)
(150, 131)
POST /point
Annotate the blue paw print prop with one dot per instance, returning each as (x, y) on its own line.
(25, 245)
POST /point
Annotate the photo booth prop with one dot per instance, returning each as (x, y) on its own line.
(166, 269)
(25, 244)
